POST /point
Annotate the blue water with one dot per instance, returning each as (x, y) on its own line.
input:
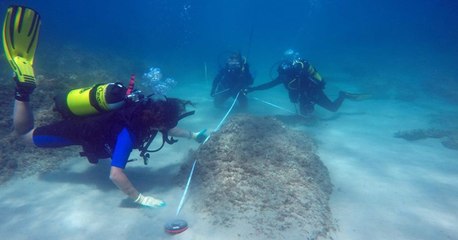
(402, 52)
(182, 34)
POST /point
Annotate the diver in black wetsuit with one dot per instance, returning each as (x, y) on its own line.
(304, 84)
(232, 78)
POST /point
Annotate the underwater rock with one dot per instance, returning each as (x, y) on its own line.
(449, 137)
(257, 171)
(447, 89)
(451, 142)
(416, 134)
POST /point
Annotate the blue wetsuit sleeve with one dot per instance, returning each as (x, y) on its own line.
(123, 148)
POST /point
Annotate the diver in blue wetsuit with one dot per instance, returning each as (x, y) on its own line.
(103, 126)
(114, 134)
(111, 135)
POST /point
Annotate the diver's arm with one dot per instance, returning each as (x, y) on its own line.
(122, 182)
(121, 153)
(179, 132)
(249, 79)
(123, 147)
(215, 83)
(119, 178)
(267, 85)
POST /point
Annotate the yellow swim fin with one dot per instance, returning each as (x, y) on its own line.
(20, 37)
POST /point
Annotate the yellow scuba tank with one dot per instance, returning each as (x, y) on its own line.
(92, 100)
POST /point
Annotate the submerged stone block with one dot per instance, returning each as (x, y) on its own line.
(257, 172)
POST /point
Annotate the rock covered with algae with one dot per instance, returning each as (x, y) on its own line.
(258, 172)
(449, 138)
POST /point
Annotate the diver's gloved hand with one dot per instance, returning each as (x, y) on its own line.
(149, 201)
(199, 136)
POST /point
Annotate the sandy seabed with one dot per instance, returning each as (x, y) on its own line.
(384, 187)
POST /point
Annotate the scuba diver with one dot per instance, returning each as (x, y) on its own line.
(304, 84)
(107, 120)
(233, 77)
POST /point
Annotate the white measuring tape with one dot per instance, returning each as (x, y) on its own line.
(195, 161)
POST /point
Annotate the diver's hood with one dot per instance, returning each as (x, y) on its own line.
(173, 124)
(173, 113)
(171, 116)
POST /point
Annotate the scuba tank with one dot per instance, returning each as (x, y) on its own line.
(92, 100)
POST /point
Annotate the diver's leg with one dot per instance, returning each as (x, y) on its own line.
(21, 29)
(306, 106)
(326, 103)
(58, 134)
(28, 137)
(22, 117)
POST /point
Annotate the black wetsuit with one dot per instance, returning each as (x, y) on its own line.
(304, 85)
(112, 134)
(228, 82)
(100, 135)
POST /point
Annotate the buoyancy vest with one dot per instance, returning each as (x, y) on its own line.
(299, 74)
(98, 133)
(103, 110)
(300, 78)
